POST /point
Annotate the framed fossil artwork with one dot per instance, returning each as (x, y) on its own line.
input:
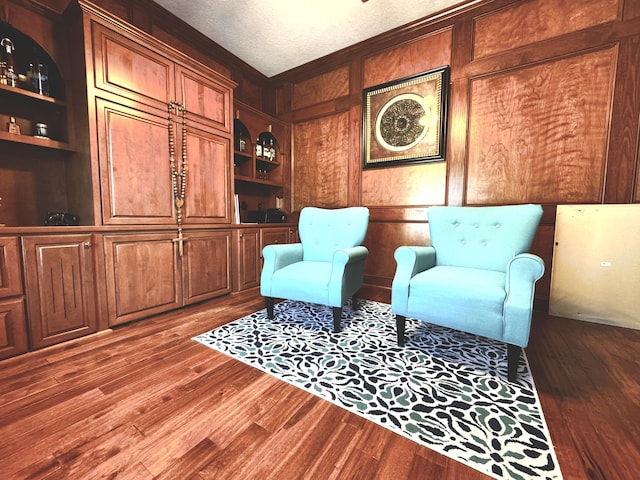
(405, 121)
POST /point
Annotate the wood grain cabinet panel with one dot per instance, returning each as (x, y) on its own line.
(13, 329)
(126, 68)
(274, 235)
(10, 272)
(247, 258)
(208, 178)
(143, 276)
(135, 77)
(206, 265)
(135, 176)
(60, 281)
(208, 103)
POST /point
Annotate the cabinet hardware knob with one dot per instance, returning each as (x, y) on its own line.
(87, 244)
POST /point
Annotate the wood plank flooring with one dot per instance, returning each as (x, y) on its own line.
(145, 401)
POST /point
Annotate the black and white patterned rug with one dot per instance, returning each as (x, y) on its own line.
(445, 389)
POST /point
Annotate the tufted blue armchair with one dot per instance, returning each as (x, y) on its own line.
(475, 277)
(326, 267)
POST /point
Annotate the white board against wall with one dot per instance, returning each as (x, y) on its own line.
(596, 264)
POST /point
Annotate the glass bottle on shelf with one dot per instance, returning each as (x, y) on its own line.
(38, 77)
(272, 147)
(272, 150)
(259, 151)
(8, 75)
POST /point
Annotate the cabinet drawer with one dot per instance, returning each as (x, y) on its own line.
(272, 236)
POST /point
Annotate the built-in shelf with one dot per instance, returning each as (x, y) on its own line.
(35, 141)
(32, 95)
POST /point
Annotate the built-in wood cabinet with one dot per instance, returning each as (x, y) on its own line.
(146, 275)
(260, 182)
(247, 258)
(60, 281)
(135, 79)
(206, 265)
(13, 329)
(143, 275)
(248, 245)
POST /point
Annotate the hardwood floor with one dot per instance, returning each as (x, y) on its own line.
(145, 401)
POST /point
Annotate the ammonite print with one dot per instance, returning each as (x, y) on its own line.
(404, 121)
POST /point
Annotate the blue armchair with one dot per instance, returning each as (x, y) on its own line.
(475, 277)
(326, 267)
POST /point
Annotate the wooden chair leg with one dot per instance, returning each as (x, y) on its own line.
(268, 301)
(513, 358)
(400, 326)
(337, 317)
(354, 300)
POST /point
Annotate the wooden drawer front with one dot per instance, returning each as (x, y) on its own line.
(207, 102)
(143, 276)
(13, 329)
(60, 282)
(126, 68)
(206, 265)
(272, 236)
(10, 272)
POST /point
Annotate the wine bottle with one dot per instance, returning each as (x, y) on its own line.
(8, 75)
(272, 150)
(259, 147)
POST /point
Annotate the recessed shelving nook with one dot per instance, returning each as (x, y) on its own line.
(261, 167)
(34, 133)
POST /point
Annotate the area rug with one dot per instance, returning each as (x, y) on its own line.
(445, 389)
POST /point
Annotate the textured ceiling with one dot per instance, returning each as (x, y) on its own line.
(274, 36)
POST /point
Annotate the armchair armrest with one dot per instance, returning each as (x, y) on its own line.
(350, 255)
(347, 272)
(523, 271)
(410, 261)
(277, 257)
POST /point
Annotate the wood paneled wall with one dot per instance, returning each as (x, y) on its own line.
(544, 107)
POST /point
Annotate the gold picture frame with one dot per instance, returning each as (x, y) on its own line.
(405, 121)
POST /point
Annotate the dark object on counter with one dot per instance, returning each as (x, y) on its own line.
(61, 219)
(271, 215)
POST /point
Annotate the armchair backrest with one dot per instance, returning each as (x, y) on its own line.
(322, 231)
(482, 237)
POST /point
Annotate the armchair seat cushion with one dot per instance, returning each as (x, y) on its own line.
(306, 281)
(467, 299)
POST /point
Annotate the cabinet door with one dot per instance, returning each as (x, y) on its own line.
(60, 285)
(128, 69)
(135, 176)
(207, 102)
(209, 178)
(10, 277)
(206, 265)
(247, 258)
(13, 329)
(143, 276)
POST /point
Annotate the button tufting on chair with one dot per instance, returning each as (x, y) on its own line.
(484, 286)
